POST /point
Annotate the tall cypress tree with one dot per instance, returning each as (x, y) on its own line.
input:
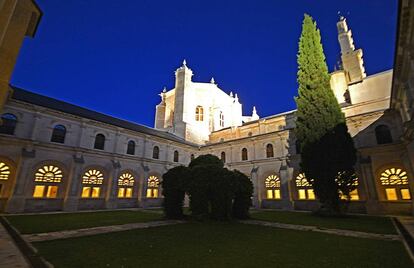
(327, 150)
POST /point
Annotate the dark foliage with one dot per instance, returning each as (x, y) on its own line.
(174, 183)
(242, 196)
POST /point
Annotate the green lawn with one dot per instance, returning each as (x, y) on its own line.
(29, 224)
(372, 224)
(222, 245)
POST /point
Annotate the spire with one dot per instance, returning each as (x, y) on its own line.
(212, 80)
(184, 63)
(231, 94)
(255, 116)
(352, 61)
(236, 98)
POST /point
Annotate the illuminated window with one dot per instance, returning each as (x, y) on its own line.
(58, 134)
(99, 142)
(125, 185)
(244, 154)
(131, 148)
(353, 195)
(156, 152)
(269, 150)
(92, 181)
(383, 134)
(223, 157)
(46, 180)
(199, 113)
(221, 119)
(176, 156)
(305, 191)
(4, 171)
(152, 187)
(9, 124)
(395, 181)
(272, 184)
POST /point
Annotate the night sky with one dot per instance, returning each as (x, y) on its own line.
(115, 57)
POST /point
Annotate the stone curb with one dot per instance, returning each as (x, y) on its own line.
(341, 232)
(96, 230)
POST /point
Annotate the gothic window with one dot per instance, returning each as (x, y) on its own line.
(244, 154)
(92, 181)
(395, 183)
(383, 134)
(47, 180)
(152, 187)
(269, 150)
(99, 142)
(221, 119)
(58, 134)
(176, 156)
(272, 184)
(156, 152)
(125, 185)
(199, 113)
(131, 148)
(9, 124)
(223, 157)
(305, 191)
(4, 171)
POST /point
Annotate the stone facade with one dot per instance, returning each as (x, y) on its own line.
(58, 156)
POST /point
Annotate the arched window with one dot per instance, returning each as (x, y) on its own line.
(244, 154)
(269, 150)
(354, 195)
(176, 156)
(92, 181)
(99, 142)
(383, 134)
(395, 182)
(131, 148)
(58, 134)
(305, 191)
(9, 124)
(223, 157)
(156, 152)
(152, 187)
(4, 171)
(47, 179)
(199, 113)
(272, 184)
(221, 119)
(125, 185)
(298, 148)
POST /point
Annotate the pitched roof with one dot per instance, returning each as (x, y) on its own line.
(58, 105)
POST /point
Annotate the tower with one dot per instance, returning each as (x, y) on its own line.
(183, 82)
(352, 61)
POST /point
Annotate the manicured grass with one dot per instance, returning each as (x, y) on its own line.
(222, 245)
(372, 224)
(29, 224)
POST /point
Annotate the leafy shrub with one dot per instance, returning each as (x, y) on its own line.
(173, 185)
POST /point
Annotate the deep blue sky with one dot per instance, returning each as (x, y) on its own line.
(116, 56)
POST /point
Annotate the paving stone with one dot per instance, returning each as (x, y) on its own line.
(10, 255)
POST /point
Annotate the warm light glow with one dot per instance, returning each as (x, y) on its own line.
(121, 192)
(153, 181)
(4, 171)
(128, 193)
(51, 192)
(302, 193)
(272, 181)
(86, 192)
(93, 176)
(96, 192)
(126, 179)
(311, 194)
(152, 193)
(305, 191)
(301, 181)
(391, 194)
(38, 191)
(48, 174)
(394, 176)
(405, 194)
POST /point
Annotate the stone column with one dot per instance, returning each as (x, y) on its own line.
(144, 185)
(372, 204)
(257, 196)
(111, 197)
(74, 183)
(16, 203)
(284, 186)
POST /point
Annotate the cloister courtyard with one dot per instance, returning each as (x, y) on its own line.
(144, 238)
